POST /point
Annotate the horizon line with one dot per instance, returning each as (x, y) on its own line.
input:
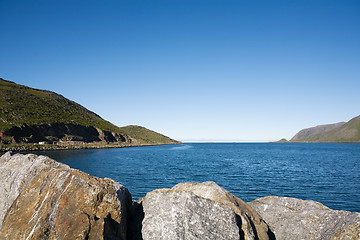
(224, 141)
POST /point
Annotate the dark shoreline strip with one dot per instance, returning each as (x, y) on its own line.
(37, 147)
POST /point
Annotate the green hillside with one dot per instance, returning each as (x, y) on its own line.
(21, 105)
(144, 135)
(340, 132)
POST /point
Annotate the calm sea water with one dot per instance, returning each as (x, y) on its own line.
(328, 173)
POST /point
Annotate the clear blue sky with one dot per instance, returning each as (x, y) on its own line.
(221, 70)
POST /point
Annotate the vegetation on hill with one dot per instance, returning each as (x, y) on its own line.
(339, 132)
(321, 129)
(23, 105)
(20, 105)
(145, 135)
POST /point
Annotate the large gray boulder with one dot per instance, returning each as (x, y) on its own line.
(44, 199)
(16, 171)
(199, 211)
(291, 218)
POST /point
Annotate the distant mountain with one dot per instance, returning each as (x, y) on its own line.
(321, 129)
(29, 115)
(338, 132)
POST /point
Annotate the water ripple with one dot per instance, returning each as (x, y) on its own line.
(328, 173)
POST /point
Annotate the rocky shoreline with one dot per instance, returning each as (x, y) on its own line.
(45, 199)
(28, 147)
(60, 136)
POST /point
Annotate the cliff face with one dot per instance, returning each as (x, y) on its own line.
(55, 132)
(44, 199)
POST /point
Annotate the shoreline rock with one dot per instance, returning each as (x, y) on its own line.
(45, 199)
(305, 219)
(200, 211)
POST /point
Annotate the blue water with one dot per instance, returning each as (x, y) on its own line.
(328, 173)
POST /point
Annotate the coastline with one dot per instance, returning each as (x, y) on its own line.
(52, 147)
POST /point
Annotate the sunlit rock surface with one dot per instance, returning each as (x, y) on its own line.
(291, 218)
(348, 232)
(44, 199)
(199, 211)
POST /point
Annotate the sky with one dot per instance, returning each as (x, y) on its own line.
(194, 70)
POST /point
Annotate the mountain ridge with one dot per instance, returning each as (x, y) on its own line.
(346, 132)
(304, 133)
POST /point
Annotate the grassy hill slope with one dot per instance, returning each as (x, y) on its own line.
(144, 134)
(21, 105)
(340, 132)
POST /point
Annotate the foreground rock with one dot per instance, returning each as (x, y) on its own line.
(44, 199)
(349, 232)
(199, 211)
(291, 218)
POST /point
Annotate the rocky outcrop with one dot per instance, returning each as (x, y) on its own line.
(63, 132)
(199, 211)
(44, 199)
(291, 218)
